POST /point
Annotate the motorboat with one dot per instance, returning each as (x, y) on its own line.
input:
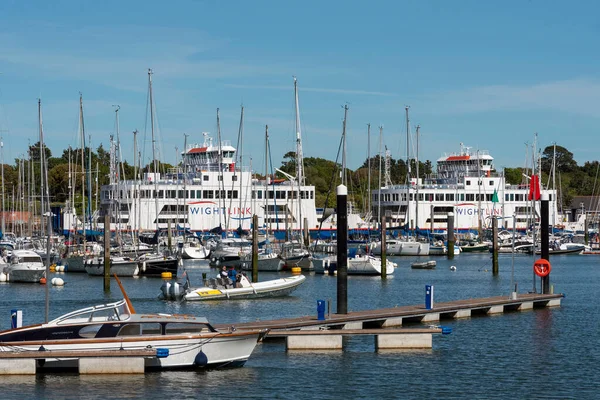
(268, 260)
(431, 264)
(397, 247)
(24, 266)
(119, 265)
(357, 264)
(193, 249)
(181, 341)
(154, 264)
(222, 289)
(474, 247)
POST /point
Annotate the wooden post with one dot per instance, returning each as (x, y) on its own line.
(169, 235)
(450, 226)
(545, 253)
(342, 250)
(495, 246)
(106, 251)
(383, 244)
(255, 248)
(305, 232)
(431, 220)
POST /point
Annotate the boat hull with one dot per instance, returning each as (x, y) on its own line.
(121, 268)
(273, 288)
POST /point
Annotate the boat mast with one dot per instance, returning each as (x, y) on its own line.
(185, 193)
(266, 178)
(220, 167)
(45, 192)
(407, 214)
(417, 183)
(154, 159)
(344, 175)
(479, 224)
(369, 212)
(240, 153)
(82, 132)
(379, 184)
(3, 209)
(299, 156)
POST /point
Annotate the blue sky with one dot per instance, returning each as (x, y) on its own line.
(487, 74)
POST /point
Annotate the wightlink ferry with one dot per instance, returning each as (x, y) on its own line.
(466, 185)
(209, 192)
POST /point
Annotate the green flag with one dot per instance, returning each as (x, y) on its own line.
(495, 196)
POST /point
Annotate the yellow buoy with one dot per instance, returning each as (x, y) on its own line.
(166, 275)
(296, 270)
(53, 267)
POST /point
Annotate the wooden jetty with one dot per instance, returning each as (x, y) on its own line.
(303, 332)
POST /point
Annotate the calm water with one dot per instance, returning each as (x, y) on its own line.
(549, 353)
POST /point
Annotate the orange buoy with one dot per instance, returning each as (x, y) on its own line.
(43, 281)
(542, 267)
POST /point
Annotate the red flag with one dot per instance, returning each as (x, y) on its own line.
(534, 188)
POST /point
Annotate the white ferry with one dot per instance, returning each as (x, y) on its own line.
(207, 191)
(467, 186)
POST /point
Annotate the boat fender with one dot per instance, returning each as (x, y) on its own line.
(446, 330)
(3, 277)
(136, 271)
(452, 268)
(144, 266)
(57, 282)
(201, 360)
(162, 352)
(213, 259)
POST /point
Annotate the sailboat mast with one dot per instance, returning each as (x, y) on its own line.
(241, 152)
(3, 205)
(184, 163)
(44, 192)
(83, 172)
(154, 160)
(299, 156)
(379, 184)
(369, 174)
(408, 174)
(135, 180)
(219, 162)
(266, 177)
(417, 183)
(41, 150)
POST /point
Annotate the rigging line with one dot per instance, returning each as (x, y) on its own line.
(333, 175)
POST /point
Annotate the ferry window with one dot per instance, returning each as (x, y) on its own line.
(180, 328)
(192, 194)
(120, 194)
(462, 197)
(198, 194)
(488, 197)
(491, 183)
(420, 196)
(470, 197)
(260, 194)
(161, 194)
(234, 178)
(550, 197)
(411, 197)
(449, 196)
(235, 194)
(280, 194)
(506, 197)
(512, 197)
(205, 178)
(181, 194)
(468, 183)
(271, 194)
(439, 197)
(207, 194)
(220, 178)
(312, 194)
(173, 194)
(375, 197)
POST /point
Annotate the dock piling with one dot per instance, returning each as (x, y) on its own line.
(450, 236)
(106, 252)
(495, 246)
(545, 250)
(255, 248)
(383, 250)
(342, 250)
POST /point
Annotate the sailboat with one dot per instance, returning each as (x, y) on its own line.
(155, 263)
(294, 253)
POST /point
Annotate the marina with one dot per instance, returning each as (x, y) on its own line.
(472, 279)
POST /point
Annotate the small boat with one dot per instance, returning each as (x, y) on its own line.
(120, 266)
(358, 264)
(424, 264)
(181, 341)
(475, 248)
(154, 264)
(218, 289)
(25, 266)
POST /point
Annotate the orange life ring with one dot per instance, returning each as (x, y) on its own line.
(542, 267)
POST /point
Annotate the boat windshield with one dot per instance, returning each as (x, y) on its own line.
(102, 313)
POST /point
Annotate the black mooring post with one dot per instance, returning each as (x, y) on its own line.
(544, 223)
(342, 250)
(450, 236)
